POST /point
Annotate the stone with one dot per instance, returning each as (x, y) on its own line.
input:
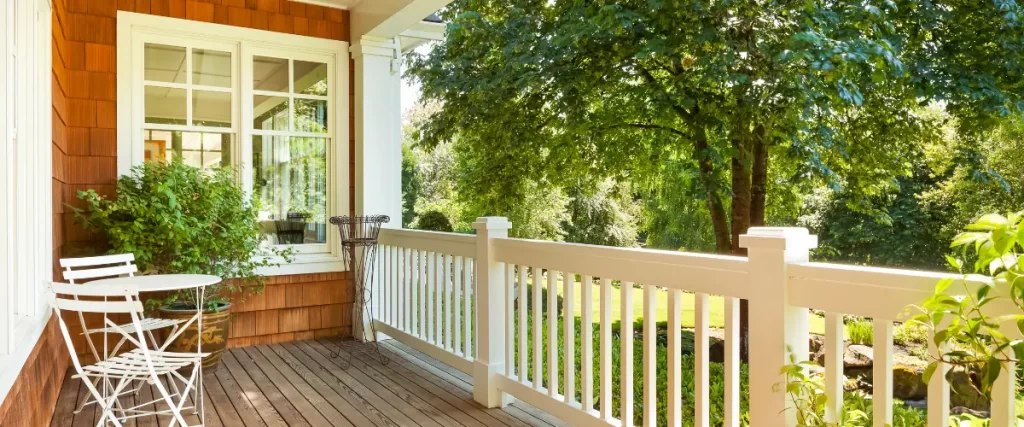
(858, 356)
(908, 383)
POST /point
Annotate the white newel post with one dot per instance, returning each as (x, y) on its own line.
(490, 313)
(774, 325)
(378, 144)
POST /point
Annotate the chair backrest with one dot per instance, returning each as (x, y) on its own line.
(96, 299)
(98, 266)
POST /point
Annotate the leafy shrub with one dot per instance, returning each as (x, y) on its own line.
(861, 332)
(177, 218)
(433, 221)
(910, 333)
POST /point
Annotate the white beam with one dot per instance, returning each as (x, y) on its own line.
(388, 18)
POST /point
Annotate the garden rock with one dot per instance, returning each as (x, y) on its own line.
(858, 356)
(908, 383)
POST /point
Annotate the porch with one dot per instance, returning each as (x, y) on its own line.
(299, 384)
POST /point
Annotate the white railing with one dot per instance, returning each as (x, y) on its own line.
(475, 302)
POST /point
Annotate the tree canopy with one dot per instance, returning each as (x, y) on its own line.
(565, 94)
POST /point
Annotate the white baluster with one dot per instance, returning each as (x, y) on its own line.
(569, 337)
(701, 378)
(467, 312)
(1004, 395)
(882, 376)
(650, 356)
(439, 295)
(587, 344)
(446, 283)
(510, 320)
(938, 387)
(538, 344)
(552, 290)
(732, 362)
(523, 325)
(417, 317)
(833, 367)
(674, 373)
(460, 303)
(626, 355)
(606, 348)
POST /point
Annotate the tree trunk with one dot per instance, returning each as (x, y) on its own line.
(759, 185)
(741, 198)
(723, 244)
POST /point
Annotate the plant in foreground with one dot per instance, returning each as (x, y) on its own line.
(964, 324)
(177, 218)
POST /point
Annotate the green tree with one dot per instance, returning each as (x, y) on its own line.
(546, 91)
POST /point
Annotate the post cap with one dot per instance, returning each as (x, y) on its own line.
(492, 223)
(781, 238)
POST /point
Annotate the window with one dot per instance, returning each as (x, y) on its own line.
(270, 106)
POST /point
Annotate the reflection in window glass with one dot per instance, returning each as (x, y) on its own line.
(211, 68)
(211, 108)
(270, 112)
(270, 74)
(290, 177)
(310, 78)
(207, 150)
(164, 63)
(310, 115)
(165, 105)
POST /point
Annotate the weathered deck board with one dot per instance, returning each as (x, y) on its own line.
(300, 384)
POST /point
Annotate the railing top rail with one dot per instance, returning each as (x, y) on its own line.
(714, 274)
(434, 241)
(883, 293)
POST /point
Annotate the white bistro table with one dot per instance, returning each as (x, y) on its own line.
(177, 282)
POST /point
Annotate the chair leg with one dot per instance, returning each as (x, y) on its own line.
(175, 409)
(85, 399)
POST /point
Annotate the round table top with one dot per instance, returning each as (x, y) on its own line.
(163, 282)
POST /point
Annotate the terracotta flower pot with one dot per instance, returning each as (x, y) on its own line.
(215, 332)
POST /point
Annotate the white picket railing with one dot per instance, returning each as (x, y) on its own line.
(475, 303)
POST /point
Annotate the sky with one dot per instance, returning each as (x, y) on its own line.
(410, 89)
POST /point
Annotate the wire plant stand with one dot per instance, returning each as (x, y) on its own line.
(359, 237)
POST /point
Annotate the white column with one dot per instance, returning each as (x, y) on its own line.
(378, 145)
(778, 324)
(490, 313)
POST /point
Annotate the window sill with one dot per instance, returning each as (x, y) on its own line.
(305, 264)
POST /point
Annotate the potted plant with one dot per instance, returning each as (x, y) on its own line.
(177, 218)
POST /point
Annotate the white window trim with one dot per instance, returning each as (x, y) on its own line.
(26, 174)
(130, 153)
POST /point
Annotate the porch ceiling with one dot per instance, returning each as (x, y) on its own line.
(343, 4)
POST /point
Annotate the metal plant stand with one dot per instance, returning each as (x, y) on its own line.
(359, 235)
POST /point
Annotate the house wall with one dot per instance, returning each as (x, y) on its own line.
(291, 307)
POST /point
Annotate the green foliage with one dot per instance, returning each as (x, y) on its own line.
(910, 333)
(608, 216)
(433, 221)
(177, 218)
(973, 335)
(861, 332)
(411, 184)
(558, 94)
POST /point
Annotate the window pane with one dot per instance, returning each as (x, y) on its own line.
(165, 63)
(165, 105)
(270, 74)
(211, 68)
(270, 112)
(290, 177)
(310, 78)
(310, 115)
(201, 149)
(211, 108)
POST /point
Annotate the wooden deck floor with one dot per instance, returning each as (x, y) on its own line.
(299, 384)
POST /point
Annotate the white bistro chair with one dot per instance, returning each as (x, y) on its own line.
(77, 270)
(109, 378)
